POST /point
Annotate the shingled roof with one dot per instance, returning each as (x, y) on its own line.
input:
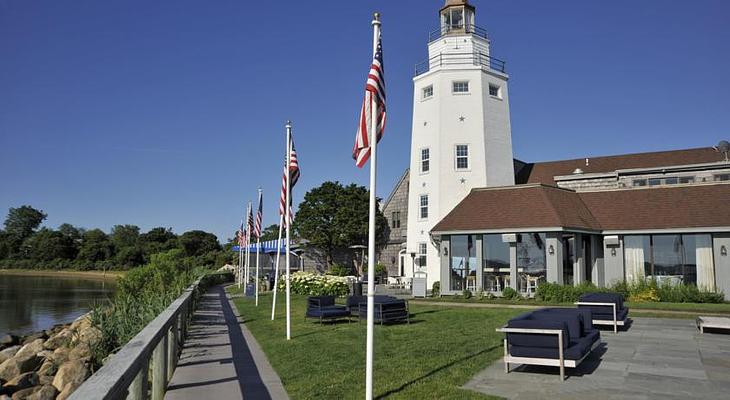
(542, 206)
(544, 172)
(522, 206)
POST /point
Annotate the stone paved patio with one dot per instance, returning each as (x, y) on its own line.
(653, 359)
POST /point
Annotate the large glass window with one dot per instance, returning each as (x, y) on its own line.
(671, 259)
(531, 260)
(495, 263)
(463, 262)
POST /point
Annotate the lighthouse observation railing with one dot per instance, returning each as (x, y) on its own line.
(451, 59)
(457, 29)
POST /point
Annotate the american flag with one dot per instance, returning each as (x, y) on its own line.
(294, 173)
(249, 222)
(240, 235)
(259, 216)
(374, 99)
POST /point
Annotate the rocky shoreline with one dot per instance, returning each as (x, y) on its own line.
(47, 365)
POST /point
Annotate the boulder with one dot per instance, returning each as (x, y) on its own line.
(25, 393)
(4, 397)
(60, 355)
(81, 323)
(8, 353)
(22, 381)
(90, 336)
(48, 368)
(34, 336)
(26, 359)
(70, 374)
(9, 340)
(62, 338)
(45, 380)
(46, 392)
(81, 351)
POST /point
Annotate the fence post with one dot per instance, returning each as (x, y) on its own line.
(138, 389)
(171, 344)
(159, 369)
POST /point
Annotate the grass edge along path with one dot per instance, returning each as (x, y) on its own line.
(430, 358)
(652, 310)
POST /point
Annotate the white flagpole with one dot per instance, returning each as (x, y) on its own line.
(258, 247)
(287, 212)
(248, 249)
(276, 274)
(371, 232)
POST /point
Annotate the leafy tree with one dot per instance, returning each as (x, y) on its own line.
(130, 256)
(47, 245)
(158, 240)
(95, 246)
(271, 232)
(124, 236)
(20, 224)
(196, 243)
(5, 249)
(333, 217)
(71, 232)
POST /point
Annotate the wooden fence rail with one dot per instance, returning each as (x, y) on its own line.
(125, 375)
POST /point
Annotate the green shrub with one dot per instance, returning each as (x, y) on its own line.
(340, 270)
(510, 294)
(466, 293)
(310, 284)
(481, 295)
(436, 289)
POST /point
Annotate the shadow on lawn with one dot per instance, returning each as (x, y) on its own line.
(435, 371)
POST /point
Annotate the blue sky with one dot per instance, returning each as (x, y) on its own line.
(172, 113)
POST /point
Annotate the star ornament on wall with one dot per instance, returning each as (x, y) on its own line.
(462, 118)
(462, 180)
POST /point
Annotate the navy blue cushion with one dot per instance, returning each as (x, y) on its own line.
(593, 336)
(320, 301)
(537, 339)
(584, 315)
(328, 312)
(571, 319)
(574, 352)
(621, 315)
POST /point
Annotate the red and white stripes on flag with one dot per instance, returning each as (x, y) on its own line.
(249, 223)
(259, 216)
(240, 235)
(294, 173)
(374, 101)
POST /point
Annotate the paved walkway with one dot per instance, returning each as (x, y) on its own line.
(655, 359)
(221, 359)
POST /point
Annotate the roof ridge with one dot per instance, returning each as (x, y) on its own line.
(623, 155)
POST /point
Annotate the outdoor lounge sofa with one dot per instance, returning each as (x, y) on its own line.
(607, 308)
(387, 308)
(324, 307)
(552, 337)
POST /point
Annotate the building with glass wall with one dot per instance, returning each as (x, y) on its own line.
(523, 235)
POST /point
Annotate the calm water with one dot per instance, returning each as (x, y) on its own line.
(30, 303)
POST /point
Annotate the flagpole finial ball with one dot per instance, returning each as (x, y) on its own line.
(288, 123)
(376, 17)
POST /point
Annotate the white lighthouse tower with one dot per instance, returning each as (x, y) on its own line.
(461, 136)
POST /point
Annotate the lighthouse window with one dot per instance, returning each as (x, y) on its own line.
(428, 92)
(462, 156)
(494, 91)
(424, 206)
(425, 160)
(461, 87)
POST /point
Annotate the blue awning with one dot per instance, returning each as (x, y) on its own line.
(267, 247)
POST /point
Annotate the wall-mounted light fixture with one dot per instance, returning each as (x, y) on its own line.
(613, 251)
(723, 250)
(551, 250)
(446, 251)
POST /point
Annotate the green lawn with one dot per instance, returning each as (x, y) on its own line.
(431, 358)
